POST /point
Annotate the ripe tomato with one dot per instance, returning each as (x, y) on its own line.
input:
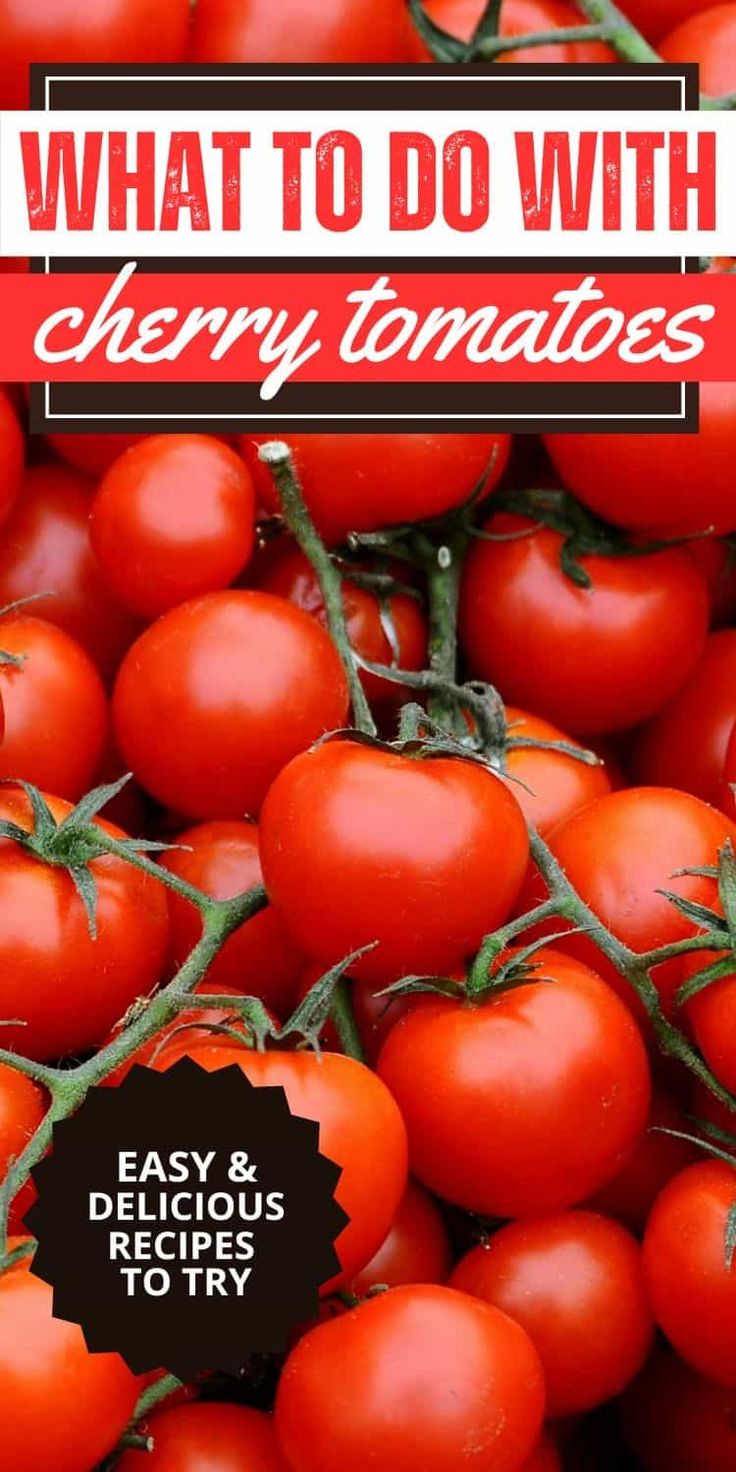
(520, 17)
(444, 1381)
(575, 1282)
(122, 30)
(45, 548)
(172, 518)
(92, 453)
(67, 988)
(684, 482)
(63, 1408)
(416, 1250)
(363, 482)
(208, 1435)
(544, 1458)
(727, 795)
(675, 1422)
(712, 1014)
(714, 556)
(708, 38)
(658, 1157)
(22, 1107)
(11, 454)
(288, 572)
(685, 745)
(549, 786)
(360, 844)
(493, 1095)
(612, 654)
(693, 1291)
(252, 30)
(360, 1128)
(259, 959)
(219, 694)
(619, 853)
(55, 707)
(655, 18)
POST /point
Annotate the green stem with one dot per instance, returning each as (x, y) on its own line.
(343, 1017)
(494, 46)
(627, 42)
(443, 578)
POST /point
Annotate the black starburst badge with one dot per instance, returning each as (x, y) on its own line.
(186, 1219)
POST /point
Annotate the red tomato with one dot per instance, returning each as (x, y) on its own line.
(252, 30)
(360, 844)
(66, 988)
(685, 745)
(654, 18)
(360, 1129)
(22, 1107)
(692, 1289)
(92, 453)
(363, 482)
(55, 707)
(420, 1378)
(611, 655)
(710, 39)
(45, 548)
(712, 1014)
(648, 481)
(172, 518)
(193, 1025)
(519, 17)
(618, 853)
(714, 557)
(374, 1013)
(219, 694)
(289, 573)
(259, 959)
(544, 1458)
(658, 1157)
(11, 453)
(63, 1408)
(676, 1422)
(549, 786)
(208, 1437)
(121, 30)
(727, 796)
(416, 1250)
(576, 1284)
(493, 1095)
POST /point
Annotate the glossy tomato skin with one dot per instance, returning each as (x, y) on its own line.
(444, 1382)
(56, 712)
(259, 959)
(575, 1283)
(612, 654)
(120, 31)
(643, 482)
(548, 785)
(693, 1291)
(685, 745)
(656, 18)
(493, 1095)
(709, 38)
(674, 1421)
(363, 482)
(22, 1107)
(219, 694)
(360, 845)
(11, 456)
(361, 1129)
(712, 1013)
(93, 454)
(416, 1250)
(174, 517)
(252, 30)
(659, 1156)
(460, 17)
(45, 548)
(218, 1437)
(68, 988)
(63, 1408)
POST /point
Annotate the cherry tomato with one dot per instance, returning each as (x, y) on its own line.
(421, 1378)
(363, 482)
(676, 1422)
(658, 1157)
(619, 853)
(63, 1408)
(260, 959)
(252, 30)
(172, 518)
(712, 1013)
(544, 1458)
(654, 18)
(55, 707)
(120, 31)
(692, 1288)
(66, 988)
(360, 844)
(708, 38)
(611, 655)
(548, 785)
(416, 1250)
(575, 1282)
(727, 795)
(22, 1107)
(219, 694)
(45, 548)
(92, 453)
(11, 452)
(520, 17)
(648, 481)
(361, 1129)
(493, 1095)
(208, 1437)
(392, 634)
(685, 744)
